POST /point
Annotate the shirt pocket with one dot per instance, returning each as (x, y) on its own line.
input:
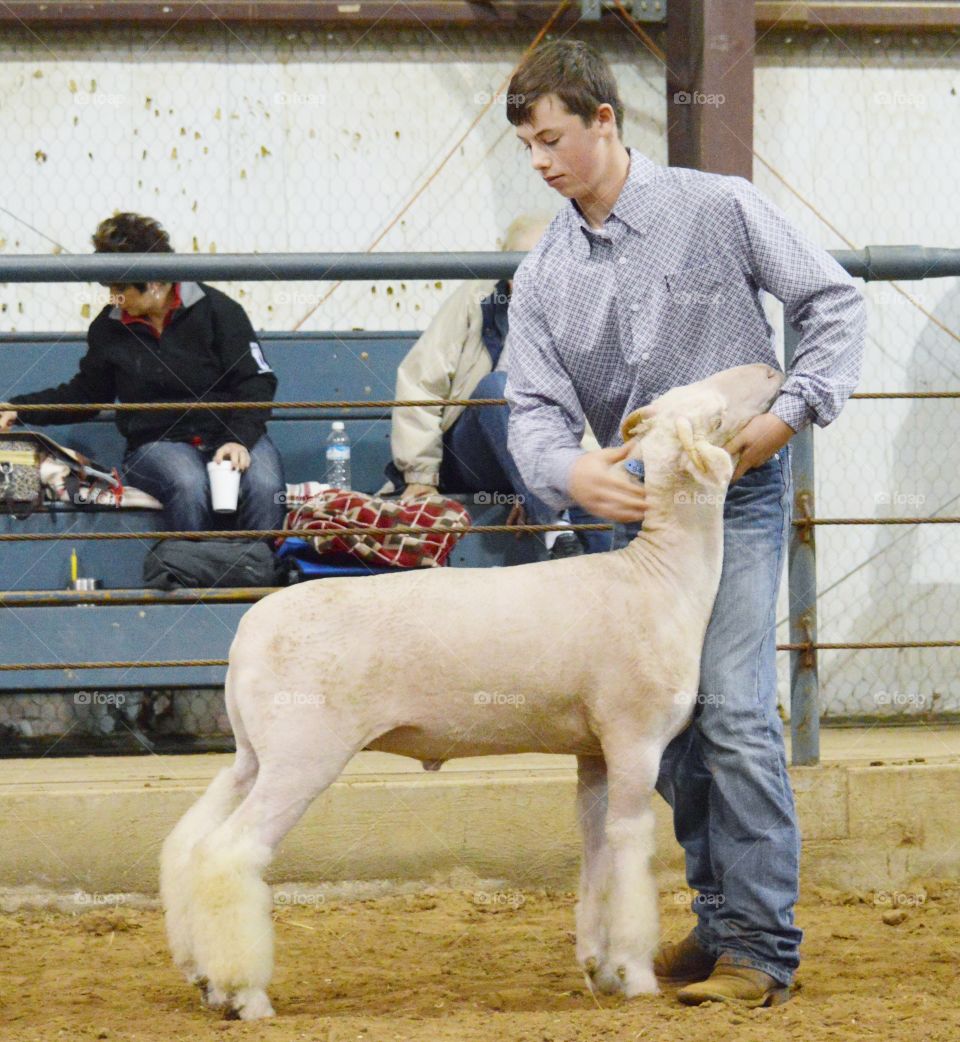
(697, 293)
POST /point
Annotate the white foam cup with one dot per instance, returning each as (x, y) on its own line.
(224, 486)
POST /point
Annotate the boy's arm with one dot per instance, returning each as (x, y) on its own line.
(819, 298)
(546, 420)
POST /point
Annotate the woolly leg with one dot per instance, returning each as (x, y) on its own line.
(591, 813)
(631, 907)
(232, 928)
(213, 808)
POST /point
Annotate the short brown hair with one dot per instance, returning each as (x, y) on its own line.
(579, 76)
(131, 233)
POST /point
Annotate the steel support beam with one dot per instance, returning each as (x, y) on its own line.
(709, 80)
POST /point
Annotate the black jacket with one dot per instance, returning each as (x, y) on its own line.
(208, 352)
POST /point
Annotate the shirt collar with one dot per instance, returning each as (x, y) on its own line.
(632, 206)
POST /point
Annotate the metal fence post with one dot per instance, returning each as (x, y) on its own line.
(802, 593)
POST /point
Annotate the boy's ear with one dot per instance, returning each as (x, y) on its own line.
(708, 464)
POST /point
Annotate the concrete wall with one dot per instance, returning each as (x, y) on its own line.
(882, 811)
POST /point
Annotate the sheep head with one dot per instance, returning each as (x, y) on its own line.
(683, 431)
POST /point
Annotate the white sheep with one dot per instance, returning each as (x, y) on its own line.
(596, 656)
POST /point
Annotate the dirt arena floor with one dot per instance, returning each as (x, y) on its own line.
(471, 966)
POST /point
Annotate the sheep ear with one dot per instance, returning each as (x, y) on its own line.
(706, 463)
(636, 424)
(714, 466)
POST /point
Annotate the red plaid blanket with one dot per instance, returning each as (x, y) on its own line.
(330, 511)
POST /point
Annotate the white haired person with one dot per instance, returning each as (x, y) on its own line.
(452, 448)
(172, 342)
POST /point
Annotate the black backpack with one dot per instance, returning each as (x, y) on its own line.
(173, 564)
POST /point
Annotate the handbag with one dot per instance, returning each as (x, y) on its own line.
(173, 564)
(20, 488)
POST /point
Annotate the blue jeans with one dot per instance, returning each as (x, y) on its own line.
(725, 776)
(175, 472)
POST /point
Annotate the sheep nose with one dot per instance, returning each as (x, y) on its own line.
(772, 373)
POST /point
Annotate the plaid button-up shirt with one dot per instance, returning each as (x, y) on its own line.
(668, 293)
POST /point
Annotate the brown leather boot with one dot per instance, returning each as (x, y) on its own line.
(741, 985)
(683, 962)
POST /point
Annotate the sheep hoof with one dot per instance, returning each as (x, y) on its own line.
(249, 1005)
(637, 980)
(210, 997)
(591, 966)
(607, 983)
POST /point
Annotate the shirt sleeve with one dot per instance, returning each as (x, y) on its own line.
(546, 419)
(820, 299)
(247, 376)
(95, 382)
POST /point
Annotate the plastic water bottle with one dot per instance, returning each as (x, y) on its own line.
(338, 456)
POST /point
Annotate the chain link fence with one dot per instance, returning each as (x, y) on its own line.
(274, 140)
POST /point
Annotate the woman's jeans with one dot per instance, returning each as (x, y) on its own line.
(175, 472)
(725, 776)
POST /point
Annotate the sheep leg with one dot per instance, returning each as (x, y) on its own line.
(223, 795)
(631, 906)
(591, 813)
(231, 910)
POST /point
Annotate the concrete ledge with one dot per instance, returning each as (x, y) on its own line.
(882, 809)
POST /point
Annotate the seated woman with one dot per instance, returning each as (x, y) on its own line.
(451, 448)
(170, 342)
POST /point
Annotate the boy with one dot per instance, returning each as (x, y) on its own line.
(648, 278)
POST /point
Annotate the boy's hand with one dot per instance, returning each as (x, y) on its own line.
(757, 442)
(601, 486)
(7, 420)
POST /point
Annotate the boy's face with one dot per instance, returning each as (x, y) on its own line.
(568, 155)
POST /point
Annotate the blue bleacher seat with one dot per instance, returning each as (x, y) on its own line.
(325, 366)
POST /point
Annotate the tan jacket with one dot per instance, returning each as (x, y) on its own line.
(448, 361)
